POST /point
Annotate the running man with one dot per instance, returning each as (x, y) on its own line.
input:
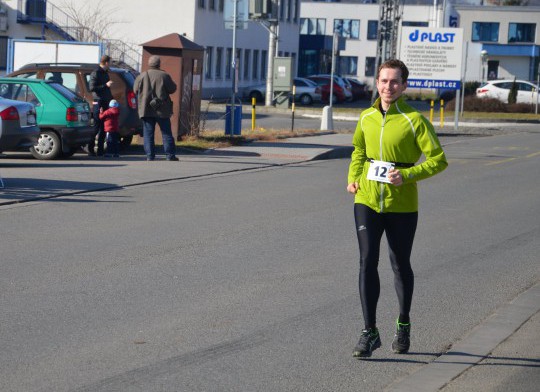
(389, 139)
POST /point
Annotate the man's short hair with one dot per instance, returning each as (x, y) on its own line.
(396, 64)
(105, 59)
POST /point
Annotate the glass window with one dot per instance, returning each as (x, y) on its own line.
(521, 32)
(238, 60)
(18, 92)
(312, 26)
(3, 52)
(28, 75)
(255, 65)
(212, 4)
(525, 87)
(67, 93)
(370, 66)
(372, 26)
(485, 31)
(201, 4)
(219, 60)
(264, 57)
(415, 24)
(347, 28)
(67, 79)
(221, 5)
(228, 64)
(247, 55)
(348, 65)
(208, 62)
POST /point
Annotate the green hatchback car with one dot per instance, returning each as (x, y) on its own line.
(63, 116)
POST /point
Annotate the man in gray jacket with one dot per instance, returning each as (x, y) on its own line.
(153, 88)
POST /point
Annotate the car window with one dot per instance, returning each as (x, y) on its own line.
(67, 93)
(505, 85)
(18, 92)
(68, 79)
(300, 83)
(525, 87)
(28, 75)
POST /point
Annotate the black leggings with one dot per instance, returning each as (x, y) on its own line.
(400, 229)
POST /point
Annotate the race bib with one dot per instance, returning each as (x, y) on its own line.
(378, 171)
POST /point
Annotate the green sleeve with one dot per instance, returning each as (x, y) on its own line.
(358, 156)
(429, 144)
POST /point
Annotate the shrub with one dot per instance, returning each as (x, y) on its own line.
(512, 95)
(491, 105)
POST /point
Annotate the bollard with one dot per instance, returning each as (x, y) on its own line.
(442, 113)
(292, 106)
(432, 104)
(253, 113)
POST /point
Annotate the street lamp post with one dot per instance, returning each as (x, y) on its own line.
(484, 57)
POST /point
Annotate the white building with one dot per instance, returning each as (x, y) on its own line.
(509, 34)
(202, 21)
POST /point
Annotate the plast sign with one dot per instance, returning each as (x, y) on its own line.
(433, 56)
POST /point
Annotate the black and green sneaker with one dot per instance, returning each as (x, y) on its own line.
(402, 338)
(369, 341)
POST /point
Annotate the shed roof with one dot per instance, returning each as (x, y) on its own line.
(173, 41)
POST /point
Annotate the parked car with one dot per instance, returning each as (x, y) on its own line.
(307, 92)
(339, 92)
(359, 90)
(499, 89)
(76, 77)
(63, 117)
(18, 128)
(342, 82)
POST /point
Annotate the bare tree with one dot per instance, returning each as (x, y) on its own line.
(89, 21)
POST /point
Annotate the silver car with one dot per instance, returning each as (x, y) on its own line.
(18, 128)
(307, 91)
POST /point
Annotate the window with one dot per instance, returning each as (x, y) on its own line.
(255, 65)
(372, 26)
(485, 31)
(348, 65)
(201, 4)
(18, 92)
(238, 60)
(521, 32)
(228, 64)
(208, 62)
(370, 66)
(219, 60)
(414, 24)
(312, 26)
(212, 5)
(68, 79)
(347, 28)
(295, 10)
(264, 57)
(247, 54)
(221, 5)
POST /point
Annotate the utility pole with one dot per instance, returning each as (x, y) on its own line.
(272, 43)
(390, 12)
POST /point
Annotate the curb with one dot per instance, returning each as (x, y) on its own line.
(474, 347)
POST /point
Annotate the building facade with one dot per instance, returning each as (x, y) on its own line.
(509, 36)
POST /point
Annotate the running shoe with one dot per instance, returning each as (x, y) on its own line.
(369, 341)
(402, 338)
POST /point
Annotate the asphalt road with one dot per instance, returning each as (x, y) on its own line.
(247, 282)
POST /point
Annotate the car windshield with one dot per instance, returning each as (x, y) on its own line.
(67, 93)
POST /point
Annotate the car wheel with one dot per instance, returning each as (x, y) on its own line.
(48, 146)
(125, 142)
(305, 99)
(257, 95)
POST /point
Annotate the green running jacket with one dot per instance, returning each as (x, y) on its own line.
(401, 135)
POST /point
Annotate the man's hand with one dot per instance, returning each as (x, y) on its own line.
(109, 83)
(395, 177)
(352, 188)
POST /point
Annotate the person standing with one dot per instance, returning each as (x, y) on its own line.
(153, 88)
(110, 125)
(100, 85)
(389, 139)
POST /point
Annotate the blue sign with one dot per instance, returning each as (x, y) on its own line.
(431, 83)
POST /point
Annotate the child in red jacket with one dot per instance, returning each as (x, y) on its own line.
(110, 125)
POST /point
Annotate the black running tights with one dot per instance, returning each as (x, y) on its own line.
(400, 229)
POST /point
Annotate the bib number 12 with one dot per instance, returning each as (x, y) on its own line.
(378, 171)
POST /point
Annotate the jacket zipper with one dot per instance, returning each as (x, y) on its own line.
(381, 158)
